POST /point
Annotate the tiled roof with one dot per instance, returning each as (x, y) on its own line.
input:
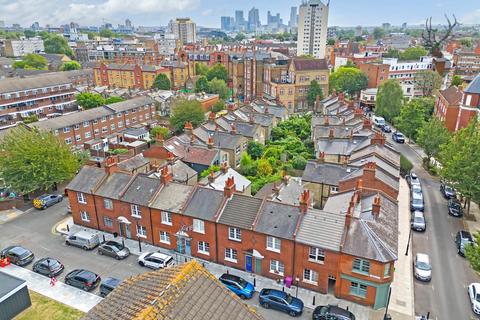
(172, 197)
(204, 203)
(277, 219)
(453, 95)
(113, 185)
(34, 82)
(240, 211)
(200, 155)
(141, 190)
(86, 180)
(71, 119)
(326, 173)
(474, 86)
(133, 163)
(130, 104)
(187, 291)
(310, 64)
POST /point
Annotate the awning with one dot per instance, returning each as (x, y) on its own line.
(122, 219)
(254, 253)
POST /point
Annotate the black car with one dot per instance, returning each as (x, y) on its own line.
(18, 255)
(48, 267)
(455, 207)
(83, 279)
(386, 128)
(398, 137)
(113, 249)
(447, 191)
(331, 313)
(463, 239)
(108, 285)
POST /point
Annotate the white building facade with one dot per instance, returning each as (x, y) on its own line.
(312, 29)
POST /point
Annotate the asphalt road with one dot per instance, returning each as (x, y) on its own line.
(445, 297)
(34, 230)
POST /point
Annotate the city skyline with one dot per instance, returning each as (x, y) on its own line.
(207, 13)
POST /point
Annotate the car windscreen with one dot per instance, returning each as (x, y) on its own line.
(418, 219)
(52, 263)
(289, 299)
(242, 282)
(417, 201)
(477, 297)
(115, 246)
(416, 188)
(423, 266)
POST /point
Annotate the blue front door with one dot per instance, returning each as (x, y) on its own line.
(248, 263)
(187, 247)
(180, 245)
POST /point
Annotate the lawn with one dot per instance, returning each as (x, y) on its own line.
(46, 308)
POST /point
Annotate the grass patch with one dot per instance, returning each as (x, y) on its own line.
(46, 308)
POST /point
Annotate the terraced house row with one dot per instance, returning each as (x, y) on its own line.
(347, 248)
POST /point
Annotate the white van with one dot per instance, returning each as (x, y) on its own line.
(378, 121)
(83, 239)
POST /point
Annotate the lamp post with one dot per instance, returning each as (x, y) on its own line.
(385, 316)
(138, 236)
(408, 243)
(297, 280)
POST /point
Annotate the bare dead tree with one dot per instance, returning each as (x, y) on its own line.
(431, 34)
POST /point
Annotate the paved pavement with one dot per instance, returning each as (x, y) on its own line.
(445, 297)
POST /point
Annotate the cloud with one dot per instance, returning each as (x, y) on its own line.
(472, 17)
(86, 12)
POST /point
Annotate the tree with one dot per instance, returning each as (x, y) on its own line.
(405, 165)
(212, 168)
(201, 85)
(55, 43)
(378, 33)
(349, 80)
(427, 104)
(219, 87)
(34, 160)
(431, 136)
(31, 61)
(389, 100)
(88, 100)
(331, 42)
(106, 33)
(162, 82)
(392, 53)
(217, 71)
(299, 163)
(164, 132)
(460, 159)
(414, 53)
(255, 149)
(185, 110)
(427, 81)
(201, 69)
(432, 39)
(456, 81)
(472, 253)
(29, 33)
(248, 166)
(71, 65)
(218, 106)
(313, 91)
(113, 99)
(264, 168)
(411, 119)
(240, 37)
(30, 119)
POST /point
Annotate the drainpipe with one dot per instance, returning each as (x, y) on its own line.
(96, 214)
(151, 223)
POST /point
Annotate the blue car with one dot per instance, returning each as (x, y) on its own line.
(239, 286)
(276, 299)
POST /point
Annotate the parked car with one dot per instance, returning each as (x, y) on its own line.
(332, 313)
(422, 267)
(447, 191)
(455, 207)
(113, 249)
(108, 285)
(412, 179)
(386, 128)
(18, 255)
(84, 239)
(46, 200)
(474, 295)
(463, 239)
(416, 202)
(279, 300)
(155, 260)
(82, 279)
(49, 267)
(398, 137)
(238, 285)
(417, 221)
(416, 188)
(378, 121)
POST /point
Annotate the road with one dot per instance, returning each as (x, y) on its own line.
(445, 297)
(34, 230)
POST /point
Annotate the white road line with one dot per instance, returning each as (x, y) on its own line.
(29, 210)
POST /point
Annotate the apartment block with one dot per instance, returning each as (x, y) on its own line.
(129, 76)
(19, 48)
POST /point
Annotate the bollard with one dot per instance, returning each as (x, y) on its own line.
(68, 228)
(103, 235)
(123, 243)
(313, 302)
(228, 271)
(283, 288)
(254, 281)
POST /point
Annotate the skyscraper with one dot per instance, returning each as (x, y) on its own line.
(128, 23)
(292, 23)
(227, 23)
(253, 19)
(239, 20)
(312, 28)
(184, 29)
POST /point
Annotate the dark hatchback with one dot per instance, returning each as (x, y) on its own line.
(48, 267)
(18, 255)
(279, 300)
(83, 279)
(331, 313)
(447, 191)
(107, 286)
(463, 239)
(455, 207)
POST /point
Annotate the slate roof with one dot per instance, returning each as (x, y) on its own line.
(71, 119)
(133, 163)
(181, 171)
(86, 180)
(225, 140)
(240, 211)
(35, 82)
(383, 151)
(309, 64)
(241, 182)
(130, 104)
(187, 291)
(9, 284)
(326, 173)
(474, 86)
(204, 203)
(341, 146)
(172, 197)
(379, 174)
(277, 219)
(288, 193)
(322, 229)
(200, 155)
(278, 111)
(113, 185)
(389, 167)
(141, 190)
(453, 95)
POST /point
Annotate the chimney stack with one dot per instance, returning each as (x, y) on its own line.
(345, 162)
(321, 157)
(351, 104)
(233, 128)
(188, 128)
(331, 134)
(229, 188)
(341, 98)
(224, 167)
(304, 201)
(369, 171)
(159, 140)
(376, 205)
(111, 165)
(334, 92)
(211, 177)
(326, 120)
(192, 139)
(170, 157)
(212, 116)
(367, 124)
(210, 142)
(165, 176)
(378, 138)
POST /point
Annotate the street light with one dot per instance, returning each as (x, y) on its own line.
(387, 316)
(138, 236)
(408, 243)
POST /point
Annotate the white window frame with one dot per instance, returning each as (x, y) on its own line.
(310, 276)
(199, 226)
(164, 237)
(85, 216)
(316, 255)
(231, 255)
(141, 231)
(81, 198)
(274, 244)
(203, 248)
(235, 234)
(166, 218)
(277, 267)
(135, 210)
(110, 223)
(108, 204)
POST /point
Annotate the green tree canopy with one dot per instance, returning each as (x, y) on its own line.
(378, 33)
(29, 33)
(392, 53)
(299, 163)
(427, 81)
(330, 42)
(389, 100)
(411, 118)
(201, 85)
(201, 69)
(240, 37)
(456, 81)
(218, 106)
(106, 33)
(432, 135)
(162, 82)
(218, 86)
(33, 160)
(413, 53)
(55, 43)
(185, 110)
(164, 132)
(313, 91)
(88, 100)
(31, 61)
(255, 149)
(217, 71)
(349, 80)
(113, 99)
(71, 65)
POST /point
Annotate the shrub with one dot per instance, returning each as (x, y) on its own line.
(405, 165)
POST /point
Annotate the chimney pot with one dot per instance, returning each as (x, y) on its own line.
(331, 134)
(304, 201)
(229, 187)
(111, 165)
(321, 157)
(376, 205)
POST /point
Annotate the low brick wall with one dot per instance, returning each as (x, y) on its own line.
(11, 203)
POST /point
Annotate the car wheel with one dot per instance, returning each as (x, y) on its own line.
(100, 252)
(85, 288)
(67, 282)
(266, 305)
(85, 248)
(117, 257)
(141, 263)
(242, 296)
(292, 313)
(67, 243)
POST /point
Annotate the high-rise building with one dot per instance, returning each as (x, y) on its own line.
(253, 19)
(184, 30)
(292, 23)
(312, 28)
(128, 23)
(227, 23)
(239, 20)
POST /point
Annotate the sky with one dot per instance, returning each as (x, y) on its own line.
(208, 12)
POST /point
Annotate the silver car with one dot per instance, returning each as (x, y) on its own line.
(422, 267)
(417, 222)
